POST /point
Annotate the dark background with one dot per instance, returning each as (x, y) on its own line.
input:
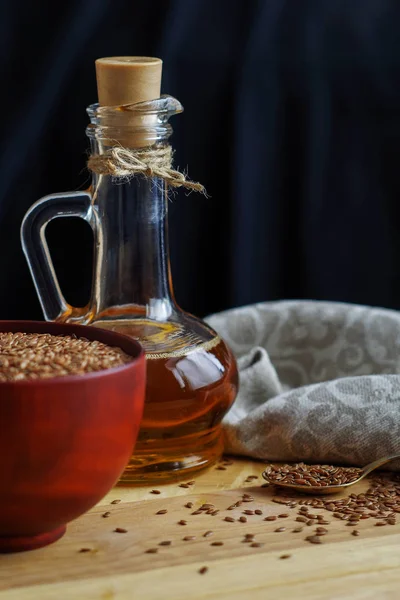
(292, 123)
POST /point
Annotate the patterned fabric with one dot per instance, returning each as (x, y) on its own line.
(319, 382)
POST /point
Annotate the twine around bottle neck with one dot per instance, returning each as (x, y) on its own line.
(152, 161)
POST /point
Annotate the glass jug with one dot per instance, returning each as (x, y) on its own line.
(191, 373)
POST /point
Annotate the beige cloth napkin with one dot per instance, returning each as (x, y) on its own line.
(319, 382)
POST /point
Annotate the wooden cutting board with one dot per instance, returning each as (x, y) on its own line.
(117, 566)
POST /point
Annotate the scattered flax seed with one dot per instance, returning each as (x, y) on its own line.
(116, 501)
(243, 519)
(189, 505)
(221, 468)
(248, 499)
(214, 512)
(229, 519)
(217, 543)
(314, 539)
(355, 532)
(283, 516)
(189, 538)
(106, 514)
(152, 551)
(203, 570)
(85, 550)
(258, 512)
(163, 511)
(256, 545)
(184, 485)
(297, 530)
(270, 518)
(120, 530)
(380, 524)
(206, 506)
(284, 556)
(208, 533)
(248, 512)
(191, 482)
(302, 519)
(182, 522)
(155, 492)
(280, 529)
(165, 543)
(249, 536)
(197, 512)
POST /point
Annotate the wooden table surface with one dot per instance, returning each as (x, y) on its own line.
(118, 566)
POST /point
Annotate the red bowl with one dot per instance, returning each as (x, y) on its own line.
(65, 441)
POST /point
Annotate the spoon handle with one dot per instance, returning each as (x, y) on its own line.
(378, 463)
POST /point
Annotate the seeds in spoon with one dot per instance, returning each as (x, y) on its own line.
(311, 475)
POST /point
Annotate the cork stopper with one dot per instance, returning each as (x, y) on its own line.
(128, 79)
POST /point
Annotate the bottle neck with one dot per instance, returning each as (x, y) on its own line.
(132, 271)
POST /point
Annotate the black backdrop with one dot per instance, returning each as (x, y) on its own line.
(292, 122)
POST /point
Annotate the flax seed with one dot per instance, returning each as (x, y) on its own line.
(217, 543)
(314, 539)
(120, 530)
(152, 551)
(189, 505)
(270, 518)
(229, 519)
(165, 543)
(203, 570)
(155, 492)
(106, 514)
(208, 533)
(243, 519)
(31, 356)
(189, 538)
(182, 522)
(280, 529)
(163, 511)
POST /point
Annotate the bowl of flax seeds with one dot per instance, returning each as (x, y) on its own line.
(71, 402)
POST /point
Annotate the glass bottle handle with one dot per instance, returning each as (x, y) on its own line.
(36, 250)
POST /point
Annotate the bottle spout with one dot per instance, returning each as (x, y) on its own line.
(164, 107)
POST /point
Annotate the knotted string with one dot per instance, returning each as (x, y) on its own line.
(154, 161)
